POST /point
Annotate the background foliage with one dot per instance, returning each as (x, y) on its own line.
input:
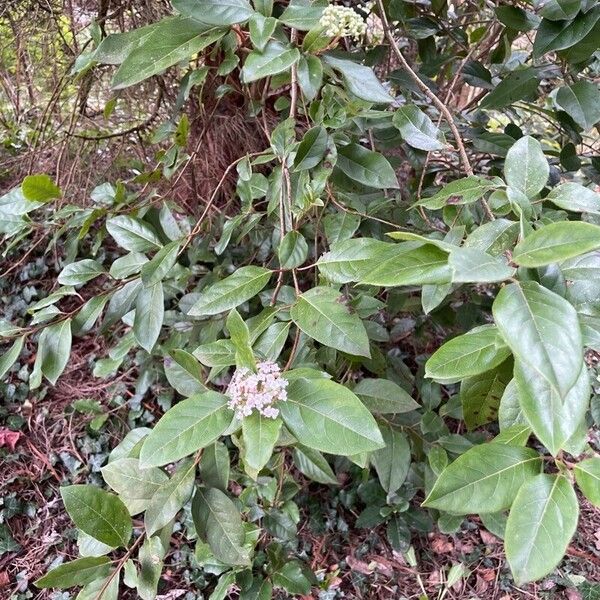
(403, 215)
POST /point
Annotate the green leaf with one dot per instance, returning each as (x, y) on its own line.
(39, 188)
(558, 35)
(160, 266)
(184, 373)
(471, 265)
(367, 167)
(485, 479)
(275, 58)
(98, 513)
(116, 47)
(133, 234)
(532, 319)
(360, 81)
(515, 435)
(54, 348)
(575, 197)
(587, 475)
(219, 523)
(240, 337)
(526, 168)
(301, 15)
(149, 315)
(270, 344)
(292, 250)
(540, 526)
(89, 314)
(101, 589)
(327, 416)
(150, 559)
(321, 314)
(80, 272)
(260, 436)
(554, 417)
(261, 29)
(515, 86)
(417, 128)
(516, 18)
(310, 75)
(461, 191)
(560, 10)
(190, 425)
(261, 589)
(291, 578)
(215, 12)
(581, 101)
(172, 41)
(75, 572)
(8, 359)
(232, 291)
(170, 498)
(384, 396)
(214, 466)
(495, 237)
(480, 395)
(216, 354)
(126, 477)
(121, 302)
(311, 149)
(557, 242)
(313, 465)
(127, 265)
(393, 461)
(475, 352)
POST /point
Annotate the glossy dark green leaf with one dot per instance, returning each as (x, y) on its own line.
(184, 373)
(322, 314)
(133, 234)
(417, 129)
(515, 86)
(215, 12)
(384, 396)
(98, 513)
(80, 272)
(327, 416)
(484, 479)
(560, 10)
(581, 101)
(461, 191)
(160, 266)
(214, 466)
(367, 167)
(275, 58)
(393, 461)
(313, 465)
(190, 425)
(526, 168)
(292, 250)
(311, 149)
(149, 315)
(260, 436)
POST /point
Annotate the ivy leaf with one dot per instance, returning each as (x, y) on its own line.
(215, 12)
(80, 272)
(149, 315)
(417, 129)
(575, 197)
(393, 460)
(484, 479)
(218, 521)
(327, 416)
(480, 350)
(367, 167)
(170, 498)
(260, 436)
(581, 101)
(74, 573)
(171, 41)
(360, 81)
(526, 168)
(98, 513)
(39, 188)
(313, 465)
(384, 396)
(232, 291)
(587, 475)
(133, 234)
(275, 58)
(556, 242)
(321, 314)
(540, 526)
(190, 425)
(531, 319)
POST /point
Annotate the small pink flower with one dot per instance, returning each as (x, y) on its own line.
(258, 391)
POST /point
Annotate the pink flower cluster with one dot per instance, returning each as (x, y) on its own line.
(258, 391)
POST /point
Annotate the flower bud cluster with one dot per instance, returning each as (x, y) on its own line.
(341, 21)
(258, 391)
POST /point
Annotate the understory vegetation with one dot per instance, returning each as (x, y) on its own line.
(299, 299)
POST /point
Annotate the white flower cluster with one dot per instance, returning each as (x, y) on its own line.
(341, 21)
(258, 391)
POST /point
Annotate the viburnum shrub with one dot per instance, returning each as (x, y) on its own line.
(283, 321)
